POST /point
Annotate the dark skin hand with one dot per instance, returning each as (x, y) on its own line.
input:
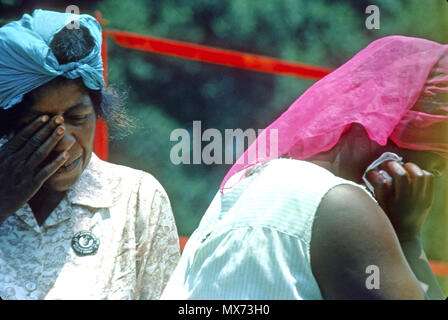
(351, 232)
(21, 158)
(408, 200)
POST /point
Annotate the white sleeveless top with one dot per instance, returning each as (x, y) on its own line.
(254, 241)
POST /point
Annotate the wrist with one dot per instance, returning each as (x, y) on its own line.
(409, 237)
(407, 230)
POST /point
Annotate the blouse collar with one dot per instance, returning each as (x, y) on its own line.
(97, 187)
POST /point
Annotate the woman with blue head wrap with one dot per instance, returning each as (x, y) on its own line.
(71, 226)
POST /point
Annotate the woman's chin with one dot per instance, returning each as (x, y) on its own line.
(59, 185)
(62, 181)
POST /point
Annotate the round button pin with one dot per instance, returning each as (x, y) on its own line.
(85, 243)
(30, 286)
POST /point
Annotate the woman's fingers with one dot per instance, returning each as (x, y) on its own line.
(46, 148)
(46, 172)
(410, 183)
(418, 178)
(401, 180)
(31, 146)
(409, 199)
(25, 134)
(38, 139)
(380, 184)
(429, 188)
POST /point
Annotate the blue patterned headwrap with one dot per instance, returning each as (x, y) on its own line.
(27, 62)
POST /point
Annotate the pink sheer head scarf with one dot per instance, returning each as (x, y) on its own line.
(396, 88)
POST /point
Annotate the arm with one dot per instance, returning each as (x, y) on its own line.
(157, 246)
(350, 233)
(415, 255)
(407, 203)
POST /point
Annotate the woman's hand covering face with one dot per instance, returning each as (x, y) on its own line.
(21, 158)
(408, 199)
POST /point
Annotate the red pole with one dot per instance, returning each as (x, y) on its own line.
(218, 56)
(100, 143)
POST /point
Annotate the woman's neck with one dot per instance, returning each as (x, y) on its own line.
(44, 202)
(351, 156)
(346, 168)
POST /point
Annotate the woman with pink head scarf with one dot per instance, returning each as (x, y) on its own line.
(297, 221)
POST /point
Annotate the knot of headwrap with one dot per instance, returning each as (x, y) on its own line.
(27, 62)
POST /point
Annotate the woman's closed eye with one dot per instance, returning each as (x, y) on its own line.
(77, 118)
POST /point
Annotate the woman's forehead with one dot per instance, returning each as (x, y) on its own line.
(55, 99)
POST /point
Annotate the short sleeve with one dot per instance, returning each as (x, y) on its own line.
(157, 241)
(251, 263)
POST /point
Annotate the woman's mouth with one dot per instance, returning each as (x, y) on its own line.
(70, 166)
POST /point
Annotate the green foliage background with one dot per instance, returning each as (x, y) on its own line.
(165, 93)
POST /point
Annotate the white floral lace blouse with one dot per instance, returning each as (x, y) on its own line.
(129, 213)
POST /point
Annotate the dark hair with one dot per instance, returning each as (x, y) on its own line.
(71, 45)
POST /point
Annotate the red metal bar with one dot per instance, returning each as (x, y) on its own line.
(182, 242)
(100, 143)
(216, 56)
(439, 268)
